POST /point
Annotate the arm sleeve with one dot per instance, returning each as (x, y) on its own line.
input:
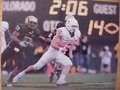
(19, 28)
(78, 34)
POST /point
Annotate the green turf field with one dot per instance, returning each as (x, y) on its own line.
(77, 82)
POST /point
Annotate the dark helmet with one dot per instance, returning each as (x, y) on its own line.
(60, 24)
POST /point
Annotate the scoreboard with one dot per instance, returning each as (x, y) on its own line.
(98, 15)
(97, 19)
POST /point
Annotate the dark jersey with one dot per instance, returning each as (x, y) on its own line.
(26, 34)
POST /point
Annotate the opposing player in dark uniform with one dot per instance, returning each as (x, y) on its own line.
(22, 37)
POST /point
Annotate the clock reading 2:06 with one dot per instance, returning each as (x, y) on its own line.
(72, 7)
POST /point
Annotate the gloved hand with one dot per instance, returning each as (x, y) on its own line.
(23, 44)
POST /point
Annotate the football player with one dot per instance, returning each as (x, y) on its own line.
(5, 36)
(5, 28)
(61, 42)
(20, 39)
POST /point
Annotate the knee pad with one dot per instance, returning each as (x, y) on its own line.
(69, 63)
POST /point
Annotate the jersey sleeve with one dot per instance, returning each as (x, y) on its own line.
(19, 28)
(77, 34)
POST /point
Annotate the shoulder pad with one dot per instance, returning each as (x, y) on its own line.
(19, 27)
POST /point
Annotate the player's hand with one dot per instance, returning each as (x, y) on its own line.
(71, 55)
(65, 49)
(23, 43)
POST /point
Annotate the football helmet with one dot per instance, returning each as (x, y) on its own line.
(31, 21)
(60, 24)
(68, 17)
(72, 24)
(106, 48)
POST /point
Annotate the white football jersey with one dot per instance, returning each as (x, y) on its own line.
(65, 34)
(5, 27)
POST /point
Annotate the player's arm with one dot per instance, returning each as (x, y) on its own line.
(14, 36)
(39, 36)
(57, 43)
(75, 42)
(47, 40)
(56, 39)
(18, 31)
(7, 36)
(77, 38)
